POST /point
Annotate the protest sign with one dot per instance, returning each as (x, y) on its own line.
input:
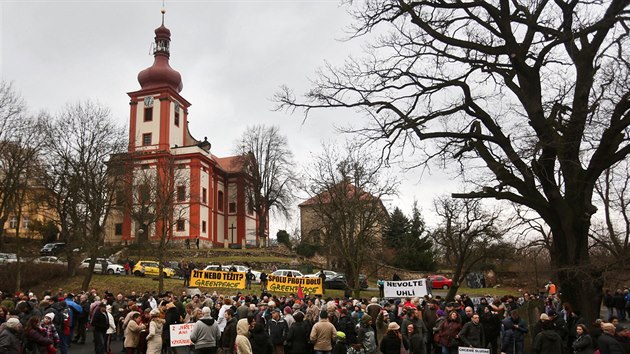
(291, 284)
(465, 350)
(180, 334)
(405, 288)
(217, 279)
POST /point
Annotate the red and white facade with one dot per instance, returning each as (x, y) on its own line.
(214, 208)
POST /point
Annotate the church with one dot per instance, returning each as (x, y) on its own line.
(210, 203)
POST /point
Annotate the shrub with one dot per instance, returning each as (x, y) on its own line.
(32, 274)
(307, 249)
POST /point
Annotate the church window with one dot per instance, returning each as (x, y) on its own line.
(250, 207)
(148, 114)
(118, 229)
(177, 118)
(13, 223)
(220, 200)
(232, 207)
(181, 225)
(146, 139)
(181, 193)
(26, 222)
(203, 226)
(204, 198)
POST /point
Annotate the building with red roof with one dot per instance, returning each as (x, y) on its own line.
(211, 195)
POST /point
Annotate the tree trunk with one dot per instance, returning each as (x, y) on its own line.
(262, 227)
(580, 281)
(90, 271)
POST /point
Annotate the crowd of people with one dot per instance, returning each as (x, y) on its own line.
(249, 323)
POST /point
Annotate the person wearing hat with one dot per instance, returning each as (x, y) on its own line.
(323, 334)
(393, 340)
(154, 338)
(341, 347)
(10, 336)
(50, 329)
(547, 341)
(366, 337)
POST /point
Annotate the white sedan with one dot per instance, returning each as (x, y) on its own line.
(49, 260)
(239, 268)
(98, 267)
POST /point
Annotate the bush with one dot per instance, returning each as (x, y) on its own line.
(307, 249)
(32, 275)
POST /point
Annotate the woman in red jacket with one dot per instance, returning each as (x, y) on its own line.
(448, 332)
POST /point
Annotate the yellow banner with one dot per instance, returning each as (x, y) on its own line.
(217, 279)
(292, 284)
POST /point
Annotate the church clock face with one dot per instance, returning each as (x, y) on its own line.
(148, 101)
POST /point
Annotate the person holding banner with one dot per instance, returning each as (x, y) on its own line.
(472, 334)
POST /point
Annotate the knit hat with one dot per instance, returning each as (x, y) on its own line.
(366, 318)
(50, 315)
(544, 317)
(155, 313)
(12, 323)
(374, 300)
(341, 335)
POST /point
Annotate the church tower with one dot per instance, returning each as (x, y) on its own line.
(209, 192)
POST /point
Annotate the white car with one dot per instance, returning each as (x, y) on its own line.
(329, 274)
(286, 272)
(6, 258)
(98, 267)
(49, 260)
(239, 268)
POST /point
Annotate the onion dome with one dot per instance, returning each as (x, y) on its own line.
(161, 74)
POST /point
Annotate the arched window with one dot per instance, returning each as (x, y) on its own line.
(220, 201)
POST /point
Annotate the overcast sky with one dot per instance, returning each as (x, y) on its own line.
(232, 55)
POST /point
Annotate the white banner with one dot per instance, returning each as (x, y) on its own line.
(464, 350)
(405, 288)
(180, 334)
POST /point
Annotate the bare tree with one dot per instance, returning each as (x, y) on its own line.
(612, 232)
(20, 144)
(267, 160)
(81, 140)
(530, 99)
(156, 202)
(346, 189)
(467, 235)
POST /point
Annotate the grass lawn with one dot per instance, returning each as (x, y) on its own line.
(127, 284)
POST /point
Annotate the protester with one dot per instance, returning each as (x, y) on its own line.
(583, 344)
(472, 334)
(132, 332)
(393, 340)
(205, 334)
(154, 338)
(10, 337)
(35, 338)
(260, 341)
(548, 341)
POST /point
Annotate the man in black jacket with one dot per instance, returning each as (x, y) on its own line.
(229, 333)
(607, 342)
(100, 324)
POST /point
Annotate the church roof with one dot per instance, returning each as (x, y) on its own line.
(325, 197)
(230, 164)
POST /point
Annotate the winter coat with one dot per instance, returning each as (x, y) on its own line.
(417, 344)
(132, 334)
(381, 326)
(241, 344)
(341, 347)
(323, 335)
(491, 323)
(9, 341)
(609, 345)
(390, 344)
(277, 331)
(367, 338)
(297, 338)
(548, 342)
(472, 335)
(154, 338)
(205, 333)
(259, 339)
(229, 334)
(346, 325)
(35, 338)
(171, 317)
(448, 332)
(583, 345)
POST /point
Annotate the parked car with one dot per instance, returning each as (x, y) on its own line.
(239, 268)
(329, 273)
(179, 272)
(440, 282)
(151, 268)
(337, 281)
(288, 272)
(6, 258)
(49, 260)
(51, 249)
(98, 266)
